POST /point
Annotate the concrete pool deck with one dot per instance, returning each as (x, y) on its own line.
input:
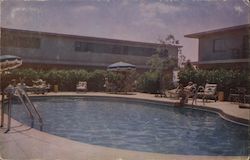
(23, 142)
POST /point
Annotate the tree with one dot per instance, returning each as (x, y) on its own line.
(188, 65)
(170, 40)
(162, 61)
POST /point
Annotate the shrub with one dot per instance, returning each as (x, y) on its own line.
(27, 74)
(149, 82)
(96, 80)
(66, 79)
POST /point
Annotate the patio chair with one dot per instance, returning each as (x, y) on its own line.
(39, 87)
(237, 95)
(81, 86)
(208, 92)
(247, 98)
(25, 87)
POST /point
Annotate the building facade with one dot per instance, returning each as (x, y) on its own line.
(48, 50)
(224, 48)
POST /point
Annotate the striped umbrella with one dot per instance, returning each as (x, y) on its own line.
(8, 62)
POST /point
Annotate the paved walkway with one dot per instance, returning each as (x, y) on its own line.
(22, 142)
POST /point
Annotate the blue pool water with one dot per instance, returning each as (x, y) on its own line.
(139, 126)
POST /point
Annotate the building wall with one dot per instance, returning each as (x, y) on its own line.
(42, 48)
(224, 46)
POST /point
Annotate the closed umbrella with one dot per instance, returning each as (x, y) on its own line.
(8, 62)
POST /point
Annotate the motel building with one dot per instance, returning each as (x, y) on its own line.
(227, 48)
(52, 50)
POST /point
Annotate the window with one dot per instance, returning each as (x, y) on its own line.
(77, 46)
(246, 42)
(113, 49)
(117, 49)
(102, 48)
(84, 47)
(141, 51)
(246, 46)
(125, 50)
(219, 45)
(89, 47)
(21, 42)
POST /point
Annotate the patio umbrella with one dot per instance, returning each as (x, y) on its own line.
(8, 62)
(121, 66)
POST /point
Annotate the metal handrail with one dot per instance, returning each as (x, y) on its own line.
(23, 94)
(26, 107)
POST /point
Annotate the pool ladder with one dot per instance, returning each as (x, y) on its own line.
(29, 106)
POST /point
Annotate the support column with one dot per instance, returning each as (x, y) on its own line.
(2, 110)
(9, 113)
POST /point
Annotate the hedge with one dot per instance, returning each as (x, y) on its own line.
(65, 79)
(146, 82)
(225, 79)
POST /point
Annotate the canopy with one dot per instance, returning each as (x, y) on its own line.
(8, 62)
(121, 66)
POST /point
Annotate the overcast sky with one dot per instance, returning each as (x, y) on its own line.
(136, 20)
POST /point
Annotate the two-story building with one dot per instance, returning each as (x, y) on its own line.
(48, 50)
(224, 48)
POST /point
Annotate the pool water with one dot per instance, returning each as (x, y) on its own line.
(139, 126)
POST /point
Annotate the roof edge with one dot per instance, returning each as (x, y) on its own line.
(200, 34)
(87, 37)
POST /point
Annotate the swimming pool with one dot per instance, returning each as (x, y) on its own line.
(139, 126)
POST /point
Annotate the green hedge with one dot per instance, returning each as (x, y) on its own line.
(225, 79)
(96, 80)
(152, 82)
(65, 79)
(148, 82)
(68, 79)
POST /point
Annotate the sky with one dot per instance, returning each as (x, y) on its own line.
(134, 20)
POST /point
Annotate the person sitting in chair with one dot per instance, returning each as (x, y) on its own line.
(186, 92)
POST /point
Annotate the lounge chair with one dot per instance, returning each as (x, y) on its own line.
(161, 93)
(81, 86)
(39, 87)
(184, 92)
(173, 93)
(208, 92)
